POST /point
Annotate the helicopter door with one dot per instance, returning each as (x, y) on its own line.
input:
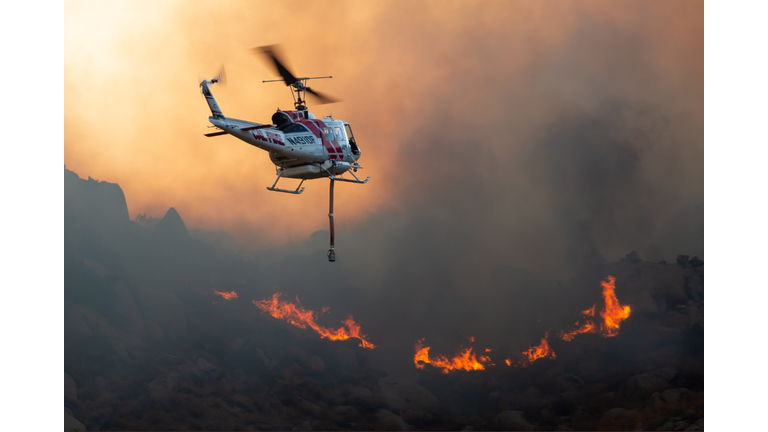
(351, 138)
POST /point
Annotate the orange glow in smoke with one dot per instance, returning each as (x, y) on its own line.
(303, 318)
(227, 295)
(538, 352)
(465, 359)
(612, 315)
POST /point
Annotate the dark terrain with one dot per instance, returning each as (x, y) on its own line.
(149, 346)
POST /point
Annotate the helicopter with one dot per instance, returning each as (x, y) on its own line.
(300, 145)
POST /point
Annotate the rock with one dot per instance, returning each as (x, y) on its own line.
(568, 383)
(303, 426)
(645, 382)
(682, 259)
(314, 363)
(346, 357)
(309, 407)
(297, 353)
(97, 322)
(70, 388)
(620, 419)
(668, 373)
(126, 316)
(119, 349)
(512, 421)
(164, 308)
(617, 413)
(161, 387)
(237, 344)
(204, 366)
(698, 425)
(655, 401)
(360, 395)
(675, 395)
(346, 413)
(399, 394)
(154, 332)
(388, 420)
(71, 423)
(696, 262)
(633, 257)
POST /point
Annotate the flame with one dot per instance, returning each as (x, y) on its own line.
(534, 353)
(465, 359)
(302, 318)
(227, 295)
(508, 362)
(612, 315)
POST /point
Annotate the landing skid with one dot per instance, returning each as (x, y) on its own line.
(356, 180)
(298, 190)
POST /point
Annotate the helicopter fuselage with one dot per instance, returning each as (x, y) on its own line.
(298, 142)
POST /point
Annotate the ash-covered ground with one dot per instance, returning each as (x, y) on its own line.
(150, 346)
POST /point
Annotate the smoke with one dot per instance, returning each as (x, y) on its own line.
(511, 154)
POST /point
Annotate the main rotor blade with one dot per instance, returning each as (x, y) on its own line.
(270, 50)
(322, 98)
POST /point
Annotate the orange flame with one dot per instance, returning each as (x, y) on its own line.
(534, 353)
(613, 314)
(227, 295)
(465, 359)
(302, 318)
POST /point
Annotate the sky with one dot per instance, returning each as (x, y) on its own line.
(522, 129)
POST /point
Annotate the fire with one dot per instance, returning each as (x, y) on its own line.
(227, 295)
(538, 352)
(303, 318)
(465, 359)
(612, 315)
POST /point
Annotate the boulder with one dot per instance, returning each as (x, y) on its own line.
(698, 425)
(203, 366)
(387, 420)
(70, 388)
(126, 315)
(645, 383)
(512, 421)
(314, 363)
(568, 383)
(71, 423)
(164, 308)
(360, 396)
(163, 386)
(668, 373)
(675, 395)
(119, 348)
(346, 413)
(399, 394)
(154, 332)
(346, 357)
(633, 257)
(620, 419)
(308, 407)
(237, 344)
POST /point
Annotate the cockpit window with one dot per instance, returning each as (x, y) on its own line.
(281, 119)
(328, 133)
(295, 128)
(349, 132)
(339, 135)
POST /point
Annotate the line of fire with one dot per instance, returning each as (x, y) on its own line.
(610, 317)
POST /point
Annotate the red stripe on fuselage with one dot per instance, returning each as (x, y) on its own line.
(312, 125)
